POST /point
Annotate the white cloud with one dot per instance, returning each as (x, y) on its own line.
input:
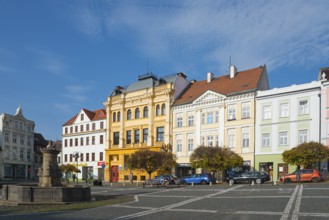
(252, 32)
(77, 93)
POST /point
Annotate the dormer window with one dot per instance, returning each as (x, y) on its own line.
(82, 116)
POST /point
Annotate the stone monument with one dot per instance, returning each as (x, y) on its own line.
(50, 189)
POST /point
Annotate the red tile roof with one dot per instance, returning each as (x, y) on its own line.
(243, 81)
(92, 115)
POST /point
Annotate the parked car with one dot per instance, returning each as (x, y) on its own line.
(248, 177)
(304, 175)
(159, 180)
(198, 179)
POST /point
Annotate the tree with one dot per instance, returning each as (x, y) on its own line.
(168, 161)
(65, 168)
(215, 158)
(147, 160)
(306, 154)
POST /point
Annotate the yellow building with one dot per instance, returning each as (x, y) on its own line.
(218, 111)
(139, 117)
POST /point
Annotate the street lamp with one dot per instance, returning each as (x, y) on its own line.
(166, 148)
(76, 156)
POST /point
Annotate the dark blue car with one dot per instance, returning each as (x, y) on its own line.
(197, 179)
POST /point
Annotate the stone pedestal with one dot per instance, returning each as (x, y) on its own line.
(49, 174)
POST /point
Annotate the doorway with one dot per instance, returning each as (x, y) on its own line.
(114, 174)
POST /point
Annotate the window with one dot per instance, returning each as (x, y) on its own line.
(87, 156)
(283, 138)
(87, 140)
(160, 134)
(128, 137)
(202, 141)
(146, 112)
(136, 136)
(87, 127)
(210, 140)
(179, 143)
(303, 107)
(14, 138)
(179, 120)
(157, 110)
(71, 142)
(190, 141)
(231, 112)
(101, 156)
(71, 157)
(203, 118)
(29, 141)
(65, 157)
(101, 125)
(245, 137)
(284, 110)
(22, 139)
(81, 157)
(6, 137)
(210, 117)
(101, 139)
(81, 128)
(114, 117)
(145, 135)
(125, 161)
(129, 114)
(231, 138)
(71, 129)
(66, 130)
(217, 141)
(119, 116)
(93, 140)
(267, 112)
(81, 141)
(93, 126)
(82, 116)
(21, 153)
(92, 156)
(76, 129)
(216, 116)
(190, 119)
(302, 136)
(76, 143)
(115, 138)
(137, 113)
(163, 109)
(246, 110)
(266, 141)
(65, 143)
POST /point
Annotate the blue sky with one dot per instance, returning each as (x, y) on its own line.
(57, 57)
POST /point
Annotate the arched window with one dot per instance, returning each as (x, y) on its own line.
(163, 109)
(137, 112)
(129, 114)
(146, 112)
(157, 110)
(114, 116)
(119, 116)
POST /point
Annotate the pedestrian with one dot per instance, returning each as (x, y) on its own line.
(74, 177)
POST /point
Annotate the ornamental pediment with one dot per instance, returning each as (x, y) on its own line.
(209, 96)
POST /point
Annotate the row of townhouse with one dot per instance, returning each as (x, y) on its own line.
(237, 110)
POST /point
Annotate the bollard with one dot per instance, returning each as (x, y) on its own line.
(274, 183)
(123, 184)
(210, 183)
(252, 183)
(137, 184)
(111, 184)
(192, 184)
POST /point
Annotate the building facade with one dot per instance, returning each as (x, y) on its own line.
(84, 143)
(285, 118)
(16, 143)
(139, 117)
(218, 112)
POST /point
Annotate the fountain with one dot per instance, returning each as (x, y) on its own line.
(49, 189)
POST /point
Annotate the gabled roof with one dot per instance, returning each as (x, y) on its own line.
(92, 115)
(243, 81)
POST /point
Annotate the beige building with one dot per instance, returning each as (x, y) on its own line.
(139, 117)
(218, 111)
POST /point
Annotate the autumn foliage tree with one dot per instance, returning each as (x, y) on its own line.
(215, 158)
(151, 161)
(65, 168)
(306, 154)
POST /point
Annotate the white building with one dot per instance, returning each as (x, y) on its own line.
(16, 146)
(285, 118)
(84, 143)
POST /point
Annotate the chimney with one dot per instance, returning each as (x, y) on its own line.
(210, 76)
(233, 71)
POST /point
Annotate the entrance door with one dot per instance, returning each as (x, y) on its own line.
(114, 174)
(101, 174)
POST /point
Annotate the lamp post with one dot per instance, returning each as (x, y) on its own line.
(166, 148)
(76, 156)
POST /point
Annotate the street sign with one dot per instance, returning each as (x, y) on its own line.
(103, 165)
